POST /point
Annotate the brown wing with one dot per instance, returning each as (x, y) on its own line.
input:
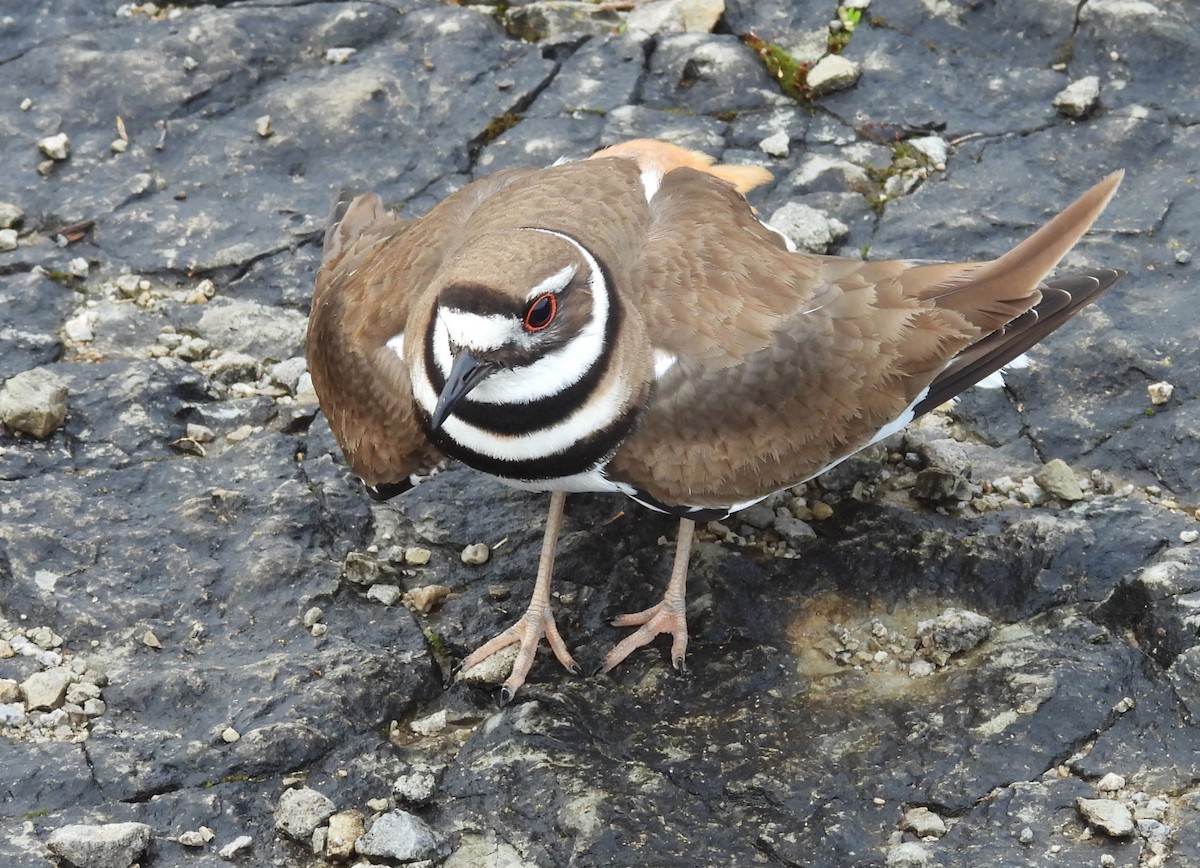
(374, 267)
(790, 362)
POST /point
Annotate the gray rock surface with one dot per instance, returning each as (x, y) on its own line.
(193, 494)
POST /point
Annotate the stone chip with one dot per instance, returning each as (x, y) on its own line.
(113, 845)
(34, 402)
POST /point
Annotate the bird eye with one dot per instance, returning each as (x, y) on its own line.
(541, 313)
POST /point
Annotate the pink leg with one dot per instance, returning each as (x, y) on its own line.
(669, 616)
(538, 620)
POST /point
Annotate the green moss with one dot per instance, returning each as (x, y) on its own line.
(791, 74)
(62, 278)
(905, 158)
(500, 125)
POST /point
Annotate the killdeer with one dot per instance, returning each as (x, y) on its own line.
(626, 323)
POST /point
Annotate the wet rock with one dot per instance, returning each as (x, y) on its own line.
(113, 845)
(401, 836)
(301, 810)
(8, 239)
(1057, 479)
(1080, 98)
(1108, 816)
(34, 402)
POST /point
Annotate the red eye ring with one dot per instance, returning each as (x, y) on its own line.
(541, 313)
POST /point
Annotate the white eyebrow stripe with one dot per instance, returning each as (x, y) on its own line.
(478, 332)
(555, 283)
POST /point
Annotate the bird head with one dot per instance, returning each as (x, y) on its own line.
(531, 325)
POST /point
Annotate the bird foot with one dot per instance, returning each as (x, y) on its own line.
(528, 632)
(666, 617)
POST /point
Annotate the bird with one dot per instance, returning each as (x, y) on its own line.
(627, 323)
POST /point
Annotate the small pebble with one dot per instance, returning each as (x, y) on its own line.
(1080, 98)
(1183, 257)
(339, 55)
(318, 630)
(26, 104)
(1110, 783)
(923, 823)
(202, 434)
(119, 146)
(313, 616)
(8, 239)
(230, 850)
(431, 725)
(150, 640)
(1160, 393)
(345, 827)
(775, 145)
(821, 511)
(1026, 836)
(417, 557)
(1189, 536)
(242, 432)
(1106, 815)
(378, 805)
(78, 267)
(191, 839)
(831, 73)
(56, 147)
(425, 598)
(384, 593)
(229, 735)
(476, 554)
